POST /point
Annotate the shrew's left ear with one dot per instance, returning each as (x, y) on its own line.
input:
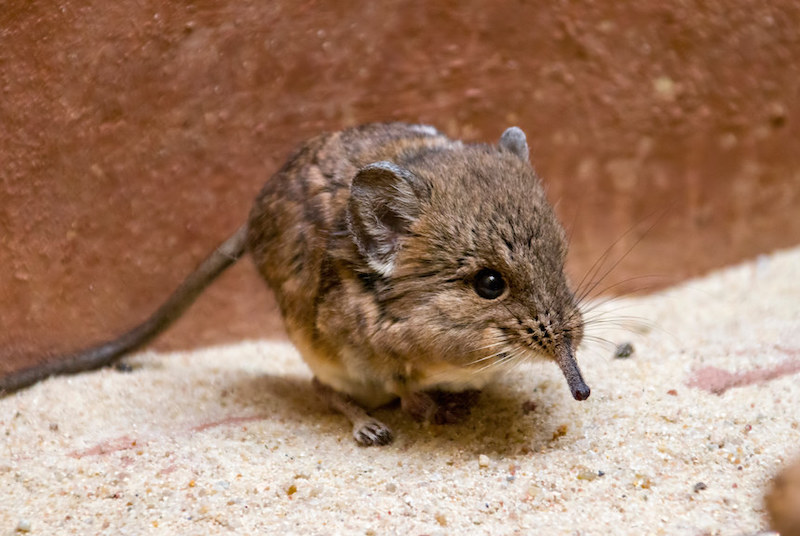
(385, 200)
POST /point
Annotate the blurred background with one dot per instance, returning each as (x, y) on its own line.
(134, 136)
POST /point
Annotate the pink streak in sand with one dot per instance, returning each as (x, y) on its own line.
(111, 445)
(127, 443)
(717, 381)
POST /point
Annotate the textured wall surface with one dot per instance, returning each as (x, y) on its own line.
(134, 135)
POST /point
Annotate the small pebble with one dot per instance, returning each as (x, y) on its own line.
(700, 486)
(624, 351)
(528, 406)
(441, 519)
(561, 431)
(24, 525)
(483, 460)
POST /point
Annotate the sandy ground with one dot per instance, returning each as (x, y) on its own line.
(680, 438)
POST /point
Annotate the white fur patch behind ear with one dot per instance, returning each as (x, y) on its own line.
(384, 203)
(513, 139)
(383, 268)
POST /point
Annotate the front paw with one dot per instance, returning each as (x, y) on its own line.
(453, 408)
(440, 407)
(420, 405)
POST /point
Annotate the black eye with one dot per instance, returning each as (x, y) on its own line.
(489, 284)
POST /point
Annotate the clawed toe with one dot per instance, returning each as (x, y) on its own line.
(372, 433)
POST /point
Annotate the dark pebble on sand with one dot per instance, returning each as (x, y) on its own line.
(624, 351)
(123, 367)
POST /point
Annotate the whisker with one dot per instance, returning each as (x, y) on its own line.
(610, 317)
(500, 362)
(492, 345)
(605, 316)
(519, 359)
(592, 286)
(599, 304)
(595, 268)
(483, 369)
(580, 291)
(646, 288)
(600, 340)
(485, 358)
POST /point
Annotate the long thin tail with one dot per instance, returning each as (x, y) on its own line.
(101, 355)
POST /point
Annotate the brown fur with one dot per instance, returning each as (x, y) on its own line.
(374, 240)
(376, 336)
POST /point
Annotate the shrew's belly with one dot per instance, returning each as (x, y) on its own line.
(348, 373)
(344, 374)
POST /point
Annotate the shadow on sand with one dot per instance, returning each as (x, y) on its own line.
(501, 423)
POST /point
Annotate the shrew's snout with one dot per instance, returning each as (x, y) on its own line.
(569, 366)
(551, 335)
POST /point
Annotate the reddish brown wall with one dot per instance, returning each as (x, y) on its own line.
(133, 135)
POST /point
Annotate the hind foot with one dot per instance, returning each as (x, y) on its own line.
(372, 432)
(367, 431)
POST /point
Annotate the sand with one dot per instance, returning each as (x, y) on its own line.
(680, 438)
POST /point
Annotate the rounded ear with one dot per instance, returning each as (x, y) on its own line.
(384, 203)
(513, 139)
